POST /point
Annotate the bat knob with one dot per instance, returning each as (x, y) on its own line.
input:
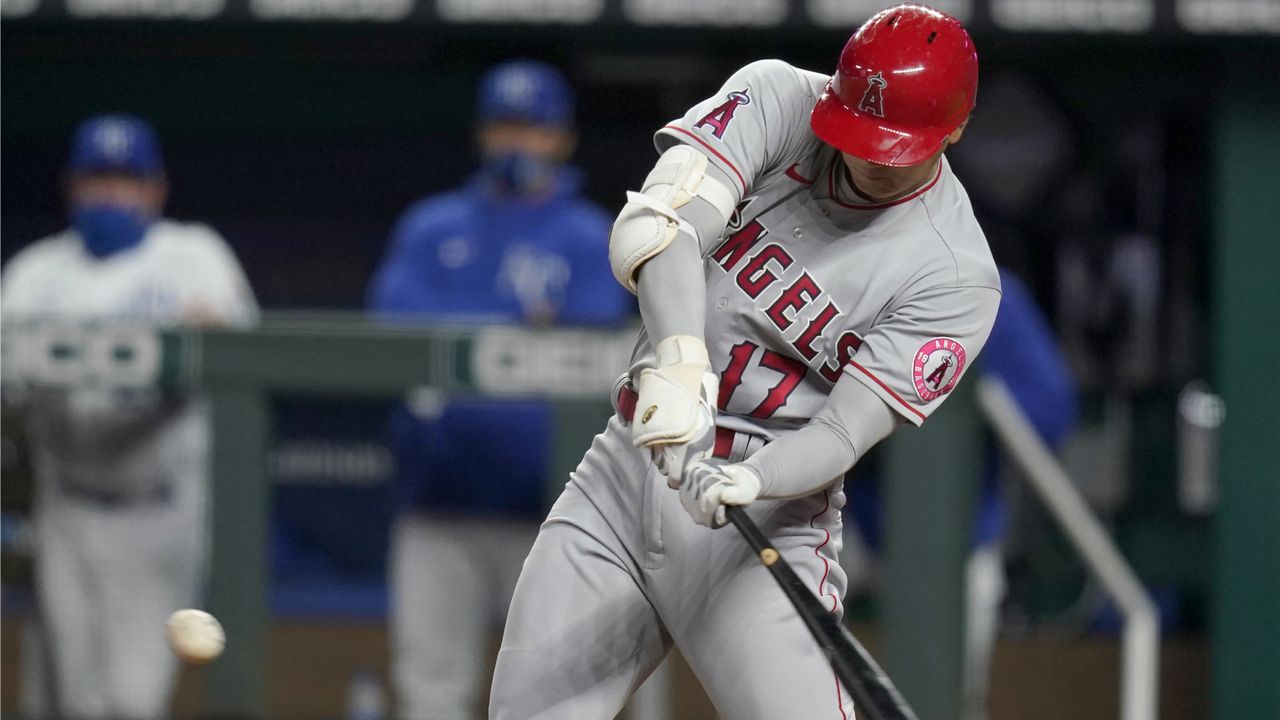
(768, 556)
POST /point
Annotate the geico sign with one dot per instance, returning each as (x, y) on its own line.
(112, 355)
(553, 363)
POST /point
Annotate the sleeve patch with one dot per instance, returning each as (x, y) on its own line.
(718, 119)
(936, 367)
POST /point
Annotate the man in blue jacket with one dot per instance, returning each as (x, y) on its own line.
(516, 245)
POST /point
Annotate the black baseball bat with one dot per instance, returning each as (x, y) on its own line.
(873, 692)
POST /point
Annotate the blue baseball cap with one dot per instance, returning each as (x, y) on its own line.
(526, 91)
(116, 143)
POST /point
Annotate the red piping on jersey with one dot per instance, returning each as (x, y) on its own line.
(794, 174)
(839, 697)
(889, 390)
(831, 189)
(826, 570)
(713, 151)
(826, 566)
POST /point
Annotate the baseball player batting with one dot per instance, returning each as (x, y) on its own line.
(810, 275)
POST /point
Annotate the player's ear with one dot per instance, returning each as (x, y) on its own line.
(956, 134)
(567, 146)
(158, 194)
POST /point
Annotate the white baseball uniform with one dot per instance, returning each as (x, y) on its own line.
(120, 474)
(809, 286)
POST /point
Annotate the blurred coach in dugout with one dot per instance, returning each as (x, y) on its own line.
(120, 474)
(516, 244)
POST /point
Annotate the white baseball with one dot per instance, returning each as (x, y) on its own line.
(195, 636)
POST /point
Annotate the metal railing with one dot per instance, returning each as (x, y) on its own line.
(1139, 691)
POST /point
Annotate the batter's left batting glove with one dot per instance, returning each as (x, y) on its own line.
(675, 406)
(706, 489)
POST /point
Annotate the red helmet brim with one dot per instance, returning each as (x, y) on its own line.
(870, 138)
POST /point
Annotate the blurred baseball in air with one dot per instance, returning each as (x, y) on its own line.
(195, 636)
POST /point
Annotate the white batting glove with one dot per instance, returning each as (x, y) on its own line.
(706, 489)
(675, 406)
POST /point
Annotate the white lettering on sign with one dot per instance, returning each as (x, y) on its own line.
(721, 13)
(154, 9)
(1229, 16)
(850, 14)
(571, 12)
(332, 462)
(1124, 16)
(377, 10)
(90, 356)
(556, 364)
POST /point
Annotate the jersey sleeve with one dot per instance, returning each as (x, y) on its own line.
(223, 286)
(10, 283)
(20, 278)
(916, 354)
(402, 282)
(751, 125)
(593, 297)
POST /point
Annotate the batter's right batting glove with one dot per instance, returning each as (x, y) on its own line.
(706, 489)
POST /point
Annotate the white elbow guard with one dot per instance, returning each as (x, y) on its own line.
(648, 222)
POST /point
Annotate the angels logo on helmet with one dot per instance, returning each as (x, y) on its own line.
(873, 99)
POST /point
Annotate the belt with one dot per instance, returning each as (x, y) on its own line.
(729, 444)
(155, 495)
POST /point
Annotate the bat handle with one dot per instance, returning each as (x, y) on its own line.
(756, 539)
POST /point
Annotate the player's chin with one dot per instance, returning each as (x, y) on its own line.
(878, 189)
(872, 181)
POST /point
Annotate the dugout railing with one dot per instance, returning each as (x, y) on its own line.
(1140, 643)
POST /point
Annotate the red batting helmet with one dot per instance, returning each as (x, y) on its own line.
(905, 81)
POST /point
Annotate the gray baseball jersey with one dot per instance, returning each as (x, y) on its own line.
(811, 283)
(809, 286)
(106, 440)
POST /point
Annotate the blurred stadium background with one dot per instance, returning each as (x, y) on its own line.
(1123, 160)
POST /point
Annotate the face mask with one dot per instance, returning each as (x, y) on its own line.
(519, 173)
(108, 229)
